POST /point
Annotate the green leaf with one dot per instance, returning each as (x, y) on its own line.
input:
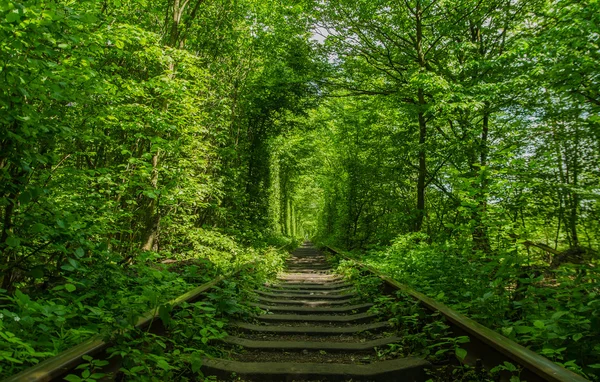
(164, 312)
(72, 378)
(119, 44)
(509, 366)
(594, 366)
(460, 353)
(136, 369)
(25, 197)
(539, 324)
(577, 337)
(12, 17)
(37, 273)
(38, 227)
(507, 331)
(523, 329)
(74, 263)
(89, 18)
(163, 365)
(13, 241)
(70, 287)
(79, 252)
(196, 361)
(11, 359)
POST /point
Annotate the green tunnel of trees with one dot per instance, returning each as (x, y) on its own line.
(453, 144)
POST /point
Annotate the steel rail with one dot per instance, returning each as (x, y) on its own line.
(55, 367)
(539, 365)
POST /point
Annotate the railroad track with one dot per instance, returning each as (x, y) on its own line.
(314, 325)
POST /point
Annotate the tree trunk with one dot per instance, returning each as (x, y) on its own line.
(574, 195)
(6, 228)
(421, 181)
(422, 169)
(481, 240)
(150, 238)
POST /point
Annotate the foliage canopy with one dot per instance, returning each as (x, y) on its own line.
(452, 143)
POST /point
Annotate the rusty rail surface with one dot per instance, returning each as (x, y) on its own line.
(530, 360)
(57, 366)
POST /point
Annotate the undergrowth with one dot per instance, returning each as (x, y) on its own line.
(423, 333)
(555, 312)
(101, 297)
(191, 333)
